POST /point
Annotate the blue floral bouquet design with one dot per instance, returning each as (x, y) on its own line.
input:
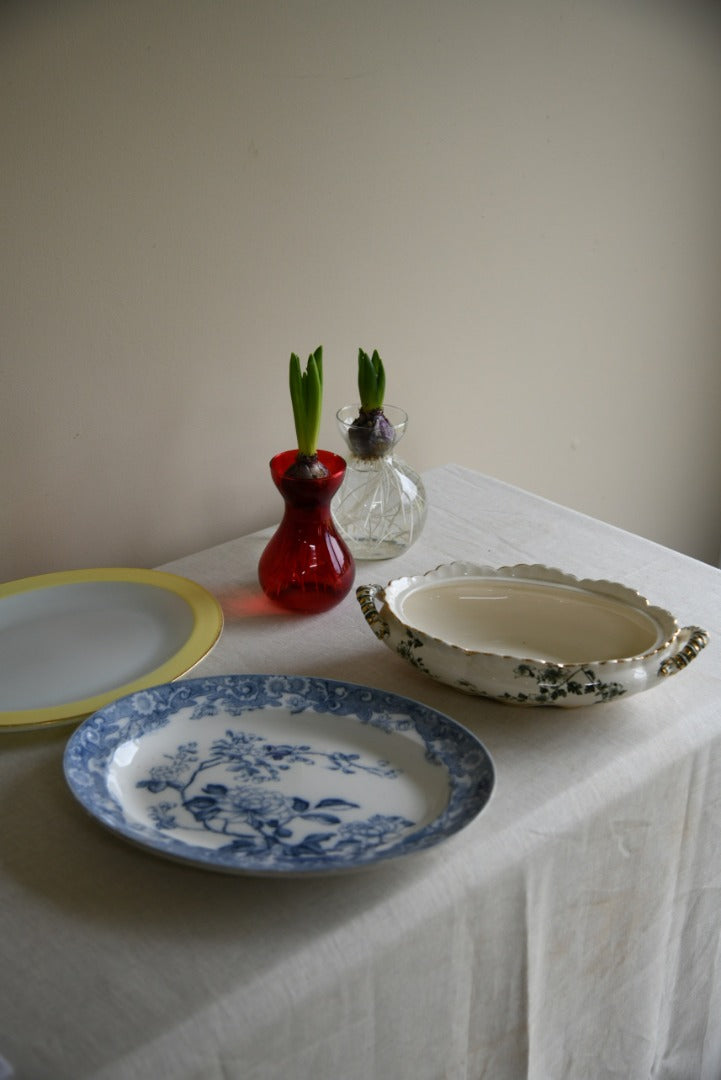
(259, 820)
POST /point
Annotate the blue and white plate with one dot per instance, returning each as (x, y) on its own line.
(277, 774)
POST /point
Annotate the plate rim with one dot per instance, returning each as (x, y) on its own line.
(207, 627)
(95, 772)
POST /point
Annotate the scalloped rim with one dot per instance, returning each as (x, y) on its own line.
(542, 575)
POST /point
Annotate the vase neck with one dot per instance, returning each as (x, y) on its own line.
(308, 492)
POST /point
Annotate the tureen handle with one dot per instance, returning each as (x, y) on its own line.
(697, 640)
(366, 595)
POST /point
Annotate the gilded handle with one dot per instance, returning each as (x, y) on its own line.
(366, 596)
(697, 640)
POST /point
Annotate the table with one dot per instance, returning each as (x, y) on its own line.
(572, 930)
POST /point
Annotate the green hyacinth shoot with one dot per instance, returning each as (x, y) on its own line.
(306, 395)
(371, 381)
(371, 435)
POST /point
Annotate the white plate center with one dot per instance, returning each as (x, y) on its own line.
(208, 782)
(73, 641)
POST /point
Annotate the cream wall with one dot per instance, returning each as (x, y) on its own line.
(516, 202)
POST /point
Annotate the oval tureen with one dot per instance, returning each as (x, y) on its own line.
(529, 635)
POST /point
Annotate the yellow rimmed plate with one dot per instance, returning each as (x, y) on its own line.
(72, 642)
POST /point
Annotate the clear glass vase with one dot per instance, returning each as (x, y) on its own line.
(380, 508)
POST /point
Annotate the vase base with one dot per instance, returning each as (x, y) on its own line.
(308, 601)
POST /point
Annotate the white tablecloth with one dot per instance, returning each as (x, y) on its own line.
(573, 930)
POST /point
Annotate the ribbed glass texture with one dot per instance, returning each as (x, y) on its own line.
(380, 508)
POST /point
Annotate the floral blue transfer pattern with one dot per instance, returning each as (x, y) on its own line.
(260, 821)
(233, 798)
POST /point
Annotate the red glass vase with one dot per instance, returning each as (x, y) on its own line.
(306, 565)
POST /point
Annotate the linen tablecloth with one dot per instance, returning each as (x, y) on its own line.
(571, 931)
